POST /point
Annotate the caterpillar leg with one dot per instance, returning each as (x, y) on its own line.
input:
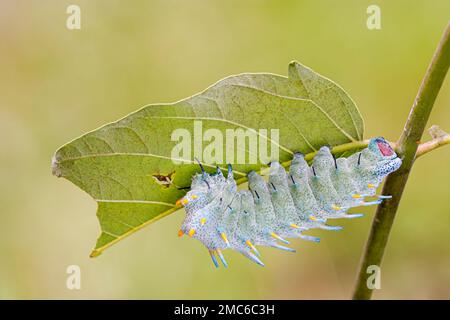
(295, 226)
(371, 203)
(278, 246)
(331, 228)
(251, 246)
(224, 237)
(274, 235)
(316, 219)
(252, 257)
(309, 238)
(213, 258)
(337, 208)
(352, 216)
(222, 258)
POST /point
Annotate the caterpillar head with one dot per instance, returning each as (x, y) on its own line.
(387, 160)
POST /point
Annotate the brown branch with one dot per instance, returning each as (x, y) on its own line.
(428, 146)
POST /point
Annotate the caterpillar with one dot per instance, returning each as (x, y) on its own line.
(221, 217)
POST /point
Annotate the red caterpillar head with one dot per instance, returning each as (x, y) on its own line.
(388, 161)
(381, 147)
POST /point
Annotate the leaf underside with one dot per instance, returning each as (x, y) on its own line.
(123, 165)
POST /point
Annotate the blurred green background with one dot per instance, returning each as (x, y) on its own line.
(56, 84)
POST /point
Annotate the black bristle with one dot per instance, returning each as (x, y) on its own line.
(292, 178)
(201, 166)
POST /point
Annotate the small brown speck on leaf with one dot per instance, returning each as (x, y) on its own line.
(163, 180)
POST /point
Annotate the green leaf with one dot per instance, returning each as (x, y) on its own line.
(126, 166)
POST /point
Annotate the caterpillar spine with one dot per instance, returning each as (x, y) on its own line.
(285, 206)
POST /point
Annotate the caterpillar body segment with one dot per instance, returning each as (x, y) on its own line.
(286, 204)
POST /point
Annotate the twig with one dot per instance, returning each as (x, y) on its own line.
(407, 146)
(428, 146)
